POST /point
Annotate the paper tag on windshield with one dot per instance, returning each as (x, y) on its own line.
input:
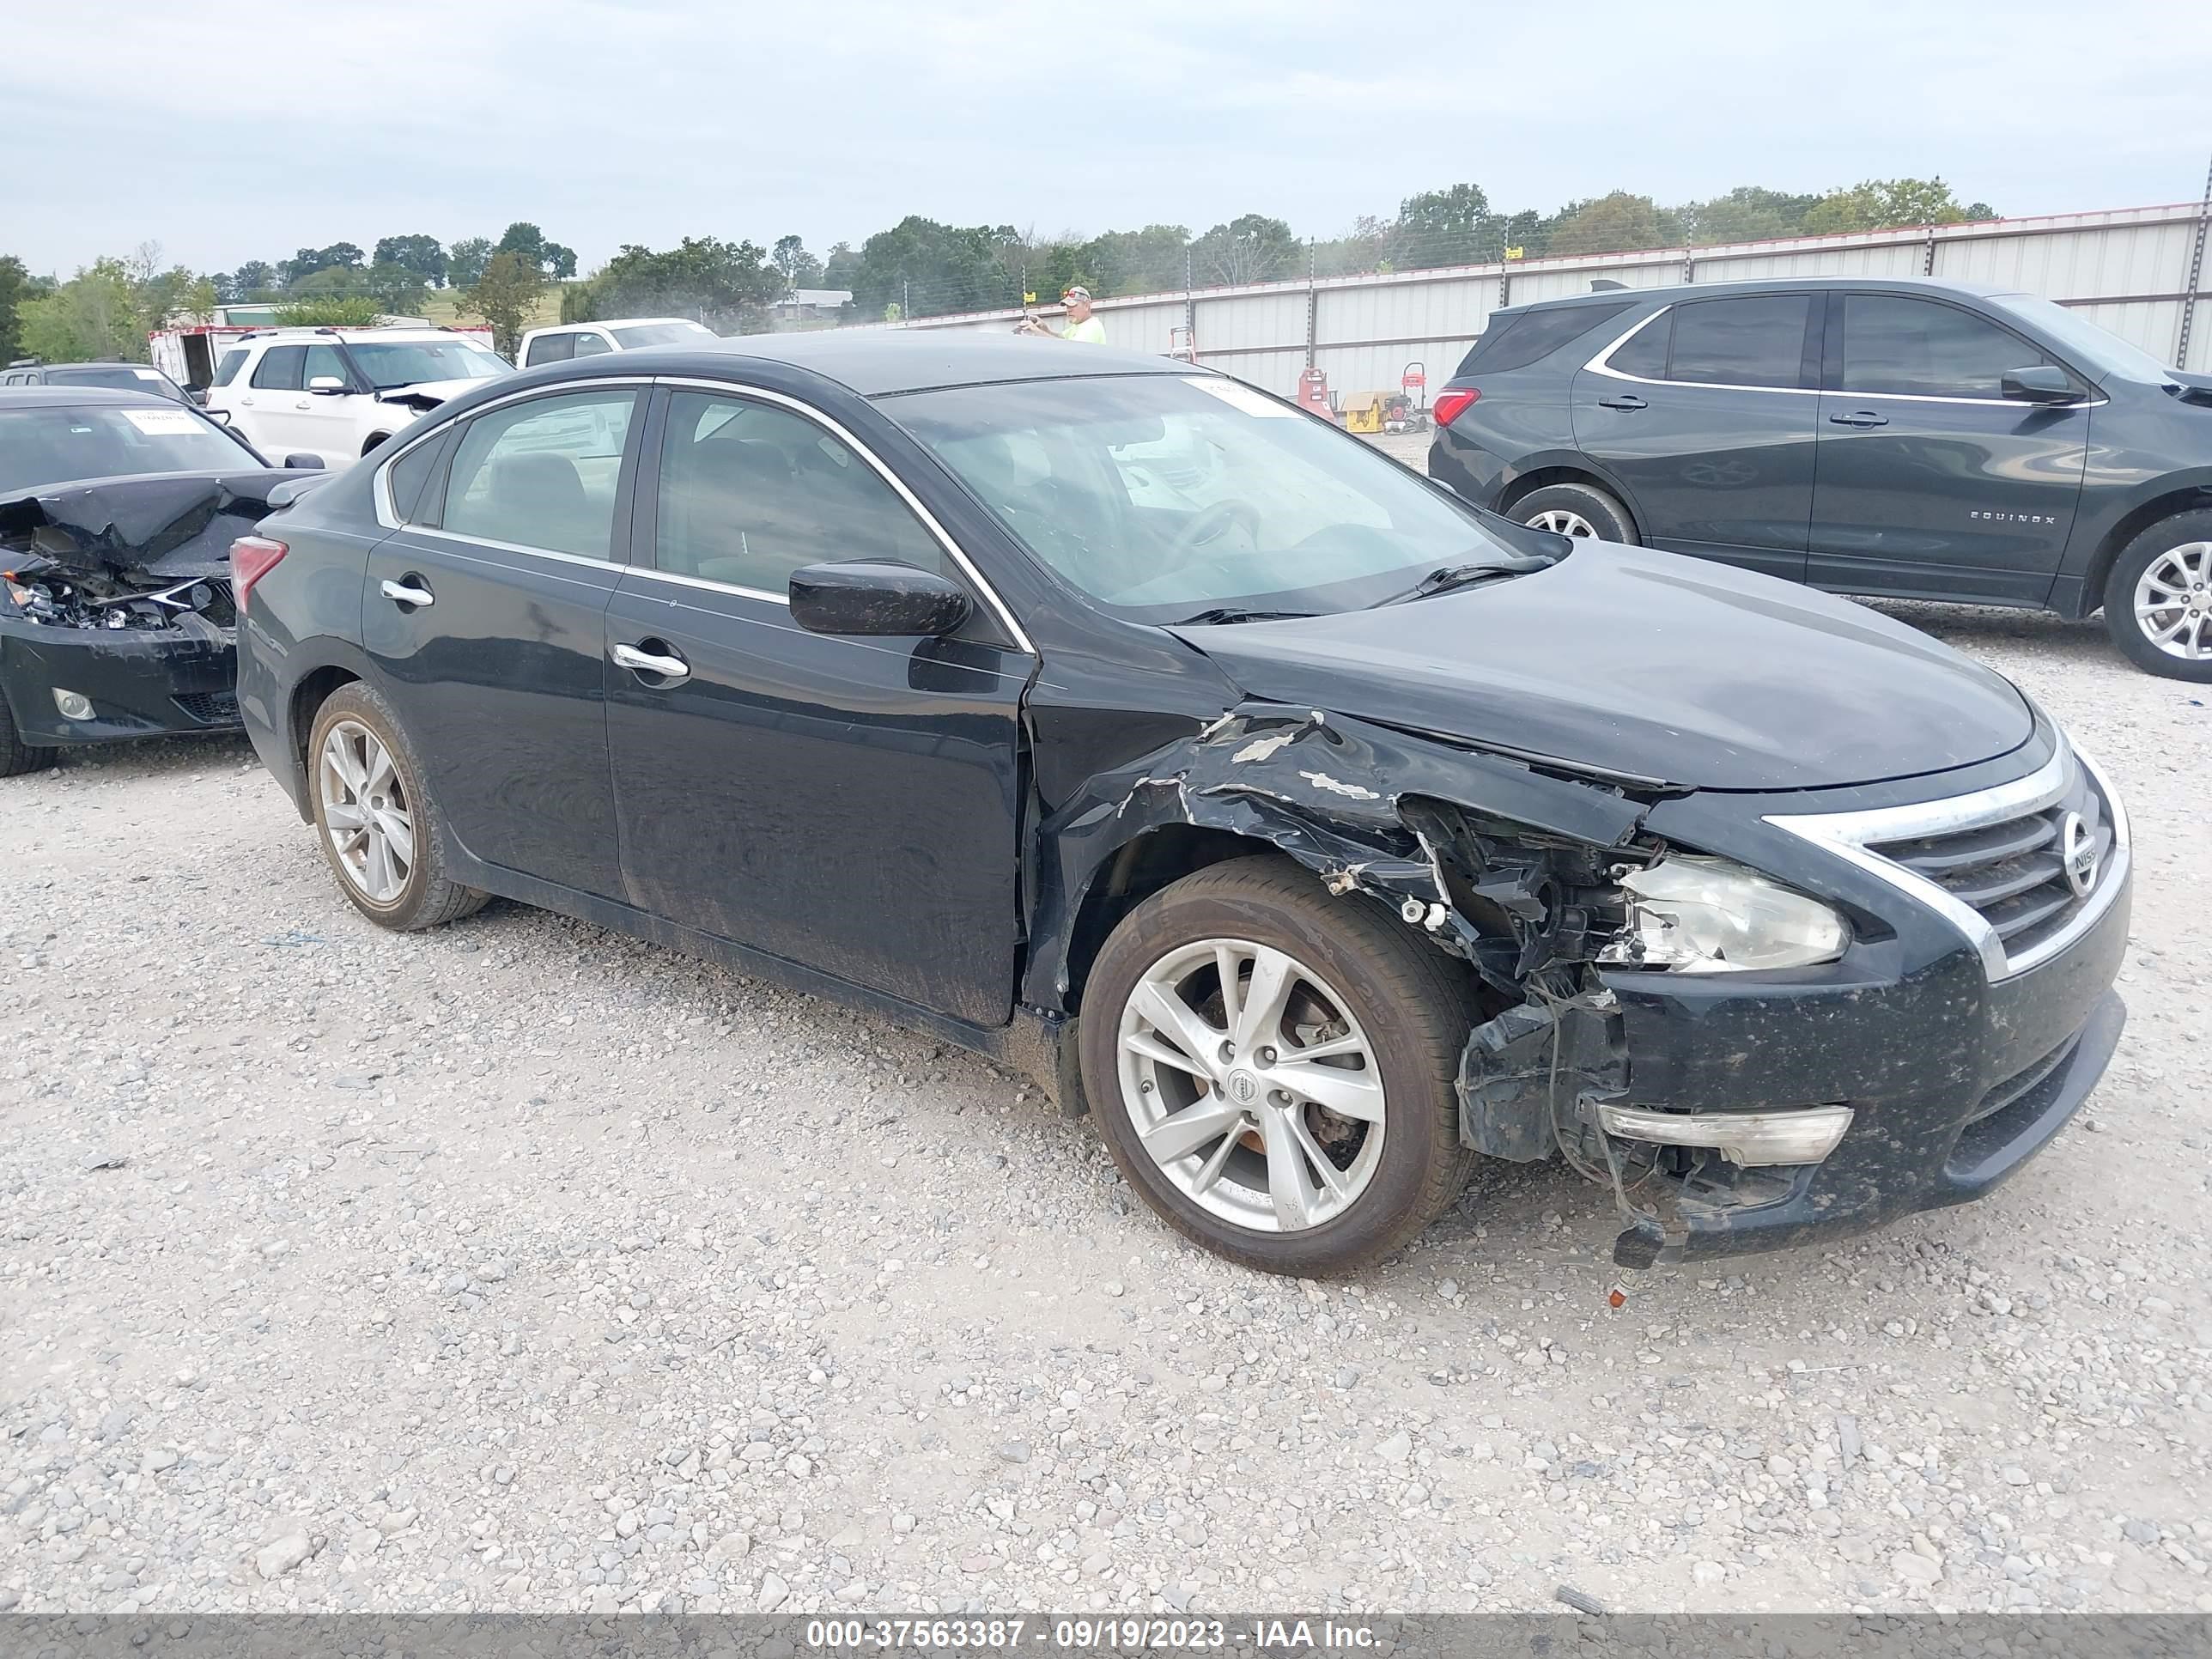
(1239, 396)
(148, 373)
(163, 423)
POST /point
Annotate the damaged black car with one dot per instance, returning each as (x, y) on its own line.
(117, 514)
(1318, 834)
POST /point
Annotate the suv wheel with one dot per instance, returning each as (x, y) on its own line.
(377, 823)
(2158, 598)
(1272, 1069)
(1576, 509)
(16, 757)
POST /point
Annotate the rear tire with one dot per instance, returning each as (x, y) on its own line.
(16, 757)
(374, 817)
(2166, 570)
(1392, 1012)
(1580, 510)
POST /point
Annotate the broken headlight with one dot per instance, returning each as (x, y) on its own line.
(1706, 915)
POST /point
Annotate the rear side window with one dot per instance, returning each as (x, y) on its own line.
(541, 474)
(1754, 341)
(280, 369)
(1520, 341)
(1919, 348)
(550, 349)
(409, 474)
(226, 371)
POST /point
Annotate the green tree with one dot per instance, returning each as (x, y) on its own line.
(550, 258)
(1453, 226)
(1747, 214)
(309, 260)
(1252, 248)
(1614, 223)
(506, 296)
(839, 264)
(331, 311)
(800, 269)
(398, 287)
(423, 255)
(93, 314)
(15, 288)
(1145, 261)
(726, 285)
(255, 276)
(1885, 203)
(466, 259)
(927, 269)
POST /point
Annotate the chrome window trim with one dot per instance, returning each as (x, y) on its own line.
(710, 586)
(807, 412)
(517, 547)
(1849, 836)
(1602, 364)
(380, 481)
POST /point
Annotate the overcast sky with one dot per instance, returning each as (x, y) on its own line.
(228, 132)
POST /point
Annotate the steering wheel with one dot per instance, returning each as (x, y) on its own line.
(1214, 522)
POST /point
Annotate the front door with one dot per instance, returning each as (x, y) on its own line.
(1705, 416)
(847, 804)
(487, 617)
(1931, 480)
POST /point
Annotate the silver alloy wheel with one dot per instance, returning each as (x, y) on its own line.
(366, 812)
(2173, 601)
(1252, 1084)
(1560, 521)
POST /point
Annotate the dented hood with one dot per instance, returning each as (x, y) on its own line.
(428, 394)
(166, 526)
(1645, 665)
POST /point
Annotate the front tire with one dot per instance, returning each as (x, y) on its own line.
(375, 818)
(16, 757)
(2158, 598)
(1576, 509)
(1272, 1068)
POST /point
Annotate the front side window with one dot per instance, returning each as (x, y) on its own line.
(1754, 341)
(226, 370)
(541, 474)
(591, 346)
(751, 492)
(1917, 347)
(280, 368)
(1162, 496)
(324, 362)
(550, 349)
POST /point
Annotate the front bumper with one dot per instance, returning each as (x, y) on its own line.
(142, 682)
(1954, 1080)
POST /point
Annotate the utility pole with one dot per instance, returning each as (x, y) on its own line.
(2195, 275)
(1313, 305)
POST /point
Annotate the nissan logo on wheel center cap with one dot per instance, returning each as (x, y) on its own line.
(1243, 1088)
(2077, 851)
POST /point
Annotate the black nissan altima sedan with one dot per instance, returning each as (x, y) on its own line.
(1314, 831)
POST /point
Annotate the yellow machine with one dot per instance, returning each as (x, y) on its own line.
(1363, 411)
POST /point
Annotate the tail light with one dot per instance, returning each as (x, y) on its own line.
(252, 557)
(1451, 404)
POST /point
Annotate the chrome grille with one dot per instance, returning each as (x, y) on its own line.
(1994, 862)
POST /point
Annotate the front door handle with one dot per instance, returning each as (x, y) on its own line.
(303, 403)
(1627, 400)
(408, 591)
(1863, 419)
(663, 661)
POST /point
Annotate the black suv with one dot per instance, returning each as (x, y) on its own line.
(1905, 438)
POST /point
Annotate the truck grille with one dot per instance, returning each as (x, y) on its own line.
(2013, 873)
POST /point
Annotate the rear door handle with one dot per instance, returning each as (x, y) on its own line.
(409, 591)
(1627, 400)
(1863, 418)
(663, 661)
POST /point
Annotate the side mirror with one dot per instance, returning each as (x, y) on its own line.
(303, 461)
(196, 395)
(326, 386)
(876, 596)
(2045, 383)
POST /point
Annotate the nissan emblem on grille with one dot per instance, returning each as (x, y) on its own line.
(2077, 850)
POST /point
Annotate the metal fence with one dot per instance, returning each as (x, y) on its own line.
(2137, 271)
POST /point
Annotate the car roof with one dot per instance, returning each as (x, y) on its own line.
(304, 334)
(1674, 291)
(610, 322)
(80, 397)
(877, 363)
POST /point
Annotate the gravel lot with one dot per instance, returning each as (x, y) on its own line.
(522, 1265)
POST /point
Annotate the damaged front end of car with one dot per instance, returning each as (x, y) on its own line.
(1697, 1036)
(117, 618)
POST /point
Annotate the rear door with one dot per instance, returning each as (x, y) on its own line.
(1707, 417)
(486, 614)
(847, 804)
(1931, 480)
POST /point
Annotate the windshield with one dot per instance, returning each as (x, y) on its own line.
(121, 376)
(59, 446)
(2099, 348)
(654, 334)
(390, 363)
(1164, 497)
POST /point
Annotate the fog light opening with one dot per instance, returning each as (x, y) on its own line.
(1801, 1134)
(73, 705)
